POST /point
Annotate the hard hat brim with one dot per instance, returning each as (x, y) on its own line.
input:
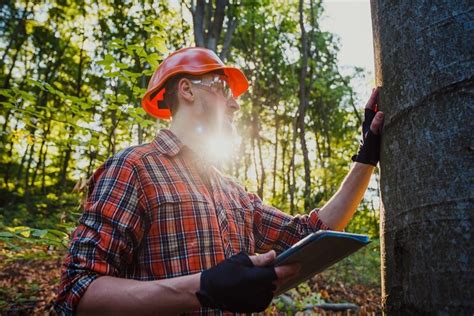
(150, 102)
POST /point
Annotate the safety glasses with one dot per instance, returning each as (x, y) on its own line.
(217, 84)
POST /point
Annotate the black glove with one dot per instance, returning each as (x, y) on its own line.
(369, 150)
(236, 285)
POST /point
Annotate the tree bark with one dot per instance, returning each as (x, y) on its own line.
(424, 62)
(40, 153)
(302, 108)
(261, 183)
(275, 154)
(284, 150)
(292, 167)
(208, 24)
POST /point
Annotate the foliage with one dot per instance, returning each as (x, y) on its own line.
(363, 267)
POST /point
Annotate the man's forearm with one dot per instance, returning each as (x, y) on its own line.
(115, 296)
(338, 211)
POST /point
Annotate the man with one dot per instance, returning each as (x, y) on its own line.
(164, 232)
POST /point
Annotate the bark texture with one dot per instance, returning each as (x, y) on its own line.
(424, 63)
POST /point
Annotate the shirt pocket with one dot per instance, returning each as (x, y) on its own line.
(240, 223)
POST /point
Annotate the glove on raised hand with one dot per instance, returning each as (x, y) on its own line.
(369, 149)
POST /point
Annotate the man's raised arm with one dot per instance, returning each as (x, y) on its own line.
(338, 211)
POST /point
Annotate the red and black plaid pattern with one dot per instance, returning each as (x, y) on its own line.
(156, 211)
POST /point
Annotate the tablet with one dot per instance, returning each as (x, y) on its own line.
(318, 251)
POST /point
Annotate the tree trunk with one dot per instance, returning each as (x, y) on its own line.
(284, 150)
(302, 111)
(6, 176)
(424, 62)
(208, 23)
(40, 153)
(43, 171)
(292, 167)
(275, 154)
(27, 177)
(261, 183)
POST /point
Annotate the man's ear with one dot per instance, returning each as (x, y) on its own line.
(185, 89)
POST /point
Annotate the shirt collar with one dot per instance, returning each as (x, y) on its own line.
(168, 143)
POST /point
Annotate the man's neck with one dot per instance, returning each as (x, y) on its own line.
(190, 134)
(205, 145)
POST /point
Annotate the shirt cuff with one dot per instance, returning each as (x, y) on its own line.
(66, 303)
(316, 222)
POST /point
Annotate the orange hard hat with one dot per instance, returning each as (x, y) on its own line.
(190, 60)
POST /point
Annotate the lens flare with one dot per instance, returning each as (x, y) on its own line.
(222, 146)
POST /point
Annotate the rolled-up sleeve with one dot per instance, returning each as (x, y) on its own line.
(110, 229)
(274, 229)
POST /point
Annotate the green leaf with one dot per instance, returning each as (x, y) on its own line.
(25, 95)
(5, 92)
(133, 75)
(140, 111)
(108, 59)
(112, 74)
(141, 52)
(121, 65)
(153, 59)
(85, 105)
(57, 233)
(113, 106)
(25, 233)
(121, 98)
(6, 234)
(40, 233)
(116, 43)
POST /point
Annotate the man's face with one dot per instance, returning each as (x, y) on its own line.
(213, 109)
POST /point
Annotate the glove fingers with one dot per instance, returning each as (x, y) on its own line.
(368, 118)
(242, 259)
(262, 274)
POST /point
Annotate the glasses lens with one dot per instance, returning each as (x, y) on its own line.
(220, 85)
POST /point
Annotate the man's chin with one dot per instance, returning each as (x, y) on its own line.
(225, 130)
(221, 145)
(229, 129)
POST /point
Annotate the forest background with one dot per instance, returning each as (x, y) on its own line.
(72, 76)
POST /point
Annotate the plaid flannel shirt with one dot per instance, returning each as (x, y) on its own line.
(156, 211)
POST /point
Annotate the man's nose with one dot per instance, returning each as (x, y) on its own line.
(232, 103)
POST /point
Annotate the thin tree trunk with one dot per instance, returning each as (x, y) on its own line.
(40, 153)
(6, 82)
(20, 167)
(283, 166)
(43, 171)
(19, 32)
(291, 173)
(255, 162)
(6, 176)
(275, 153)
(247, 162)
(302, 106)
(27, 175)
(262, 167)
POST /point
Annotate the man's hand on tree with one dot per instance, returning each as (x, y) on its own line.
(369, 150)
(243, 283)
